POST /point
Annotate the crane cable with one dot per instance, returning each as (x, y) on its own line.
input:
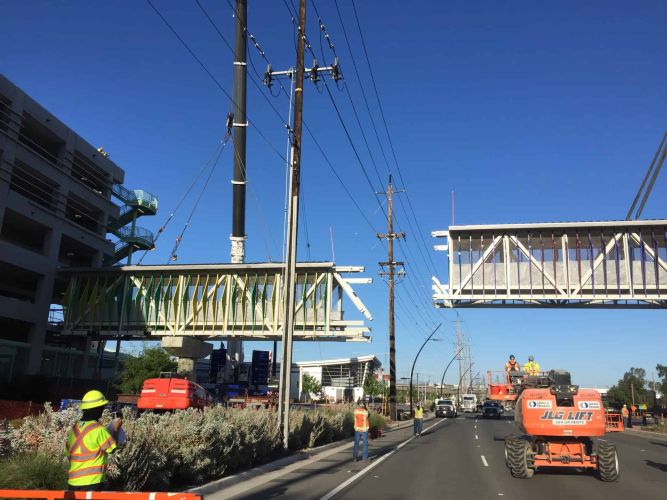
(655, 169)
(194, 182)
(173, 256)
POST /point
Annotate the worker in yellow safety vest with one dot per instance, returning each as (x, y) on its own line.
(361, 425)
(532, 367)
(88, 445)
(419, 419)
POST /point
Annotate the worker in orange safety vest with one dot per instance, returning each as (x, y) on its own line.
(89, 444)
(361, 425)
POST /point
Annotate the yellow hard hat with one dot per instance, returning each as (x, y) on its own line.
(93, 399)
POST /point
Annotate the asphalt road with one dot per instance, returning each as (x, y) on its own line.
(462, 458)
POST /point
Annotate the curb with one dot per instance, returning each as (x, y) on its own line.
(225, 482)
(647, 434)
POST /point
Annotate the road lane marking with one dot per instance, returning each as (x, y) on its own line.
(344, 485)
(484, 460)
(476, 436)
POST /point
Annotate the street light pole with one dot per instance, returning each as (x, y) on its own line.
(442, 382)
(412, 370)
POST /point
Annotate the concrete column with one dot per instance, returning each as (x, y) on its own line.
(43, 298)
(188, 350)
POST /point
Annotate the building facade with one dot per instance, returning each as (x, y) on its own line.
(342, 380)
(55, 210)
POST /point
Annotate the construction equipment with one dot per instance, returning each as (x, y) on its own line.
(614, 422)
(561, 426)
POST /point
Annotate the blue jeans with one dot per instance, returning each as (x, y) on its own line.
(418, 425)
(357, 436)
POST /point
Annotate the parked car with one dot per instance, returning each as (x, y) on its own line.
(492, 409)
(445, 408)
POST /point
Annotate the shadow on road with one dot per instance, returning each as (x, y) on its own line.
(656, 465)
(658, 443)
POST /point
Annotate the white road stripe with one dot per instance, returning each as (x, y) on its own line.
(476, 436)
(484, 460)
(344, 485)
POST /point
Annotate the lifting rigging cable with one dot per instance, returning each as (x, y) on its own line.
(652, 172)
(173, 256)
(194, 182)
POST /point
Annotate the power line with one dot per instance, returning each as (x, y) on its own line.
(391, 144)
(211, 76)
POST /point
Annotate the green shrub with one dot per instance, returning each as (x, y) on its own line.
(33, 471)
(378, 420)
(189, 447)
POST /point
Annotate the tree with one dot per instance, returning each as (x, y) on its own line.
(373, 387)
(632, 381)
(148, 364)
(662, 385)
(311, 386)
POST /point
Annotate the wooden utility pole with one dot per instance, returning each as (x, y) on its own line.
(470, 365)
(292, 232)
(459, 348)
(390, 265)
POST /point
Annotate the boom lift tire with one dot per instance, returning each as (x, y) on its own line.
(608, 469)
(518, 452)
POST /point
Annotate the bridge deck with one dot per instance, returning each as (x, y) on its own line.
(212, 301)
(576, 264)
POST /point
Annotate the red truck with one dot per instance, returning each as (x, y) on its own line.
(171, 393)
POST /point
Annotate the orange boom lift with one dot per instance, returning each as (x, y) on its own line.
(561, 426)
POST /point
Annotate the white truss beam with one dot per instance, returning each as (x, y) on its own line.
(574, 264)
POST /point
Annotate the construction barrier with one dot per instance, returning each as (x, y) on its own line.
(614, 422)
(95, 495)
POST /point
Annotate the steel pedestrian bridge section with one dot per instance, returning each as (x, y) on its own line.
(612, 264)
(221, 301)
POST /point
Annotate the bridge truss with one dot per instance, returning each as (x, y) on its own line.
(580, 264)
(221, 301)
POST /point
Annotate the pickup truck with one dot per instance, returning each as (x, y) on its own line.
(492, 409)
(445, 408)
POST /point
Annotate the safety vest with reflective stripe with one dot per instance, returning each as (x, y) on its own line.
(531, 368)
(361, 420)
(419, 412)
(88, 444)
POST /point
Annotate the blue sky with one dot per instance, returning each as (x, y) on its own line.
(530, 111)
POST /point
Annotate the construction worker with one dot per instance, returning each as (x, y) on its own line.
(532, 367)
(625, 413)
(89, 444)
(511, 366)
(419, 419)
(361, 425)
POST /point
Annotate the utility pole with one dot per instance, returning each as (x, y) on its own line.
(240, 126)
(292, 231)
(459, 348)
(390, 264)
(469, 365)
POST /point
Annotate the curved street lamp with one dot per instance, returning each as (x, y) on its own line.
(442, 382)
(412, 370)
